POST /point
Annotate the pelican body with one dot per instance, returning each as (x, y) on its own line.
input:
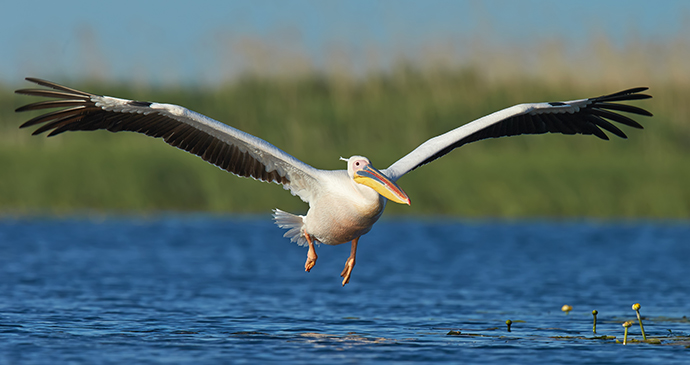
(343, 204)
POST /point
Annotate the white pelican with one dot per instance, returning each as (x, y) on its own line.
(343, 204)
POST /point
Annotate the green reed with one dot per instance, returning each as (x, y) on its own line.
(318, 118)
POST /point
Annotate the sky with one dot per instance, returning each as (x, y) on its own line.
(206, 41)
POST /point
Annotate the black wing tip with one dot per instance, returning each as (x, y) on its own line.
(41, 82)
(643, 112)
(35, 80)
(607, 103)
(633, 93)
(634, 90)
(25, 125)
(23, 91)
(51, 85)
(638, 89)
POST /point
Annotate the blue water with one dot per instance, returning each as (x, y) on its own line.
(208, 290)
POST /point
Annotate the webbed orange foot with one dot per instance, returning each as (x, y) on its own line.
(311, 254)
(347, 271)
(350, 263)
(311, 261)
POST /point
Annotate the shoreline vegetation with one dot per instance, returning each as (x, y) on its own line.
(318, 117)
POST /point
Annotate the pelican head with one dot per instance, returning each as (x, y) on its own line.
(362, 172)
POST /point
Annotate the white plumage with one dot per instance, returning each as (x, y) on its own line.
(343, 204)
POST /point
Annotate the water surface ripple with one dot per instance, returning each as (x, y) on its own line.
(201, 289)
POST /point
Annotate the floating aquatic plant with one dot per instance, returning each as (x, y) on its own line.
(627, 325)
(566, 308)
(678, 338)
(636, 307)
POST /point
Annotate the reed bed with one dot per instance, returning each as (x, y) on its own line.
(320, 116)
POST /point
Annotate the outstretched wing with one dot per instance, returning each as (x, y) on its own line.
(586, 116)
(228, 148)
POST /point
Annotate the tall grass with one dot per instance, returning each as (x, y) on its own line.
(318, 117)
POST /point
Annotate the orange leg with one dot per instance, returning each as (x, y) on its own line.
(311, 254)
(350, 263)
